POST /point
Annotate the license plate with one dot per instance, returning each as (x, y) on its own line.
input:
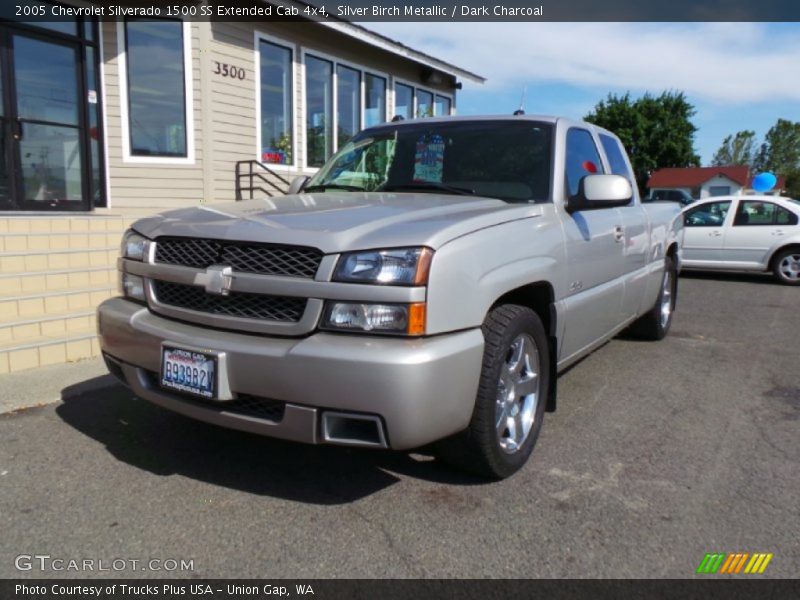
(189, 371)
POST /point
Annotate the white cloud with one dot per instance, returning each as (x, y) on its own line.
(730, 63)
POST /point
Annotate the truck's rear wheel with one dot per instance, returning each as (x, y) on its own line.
(655, 323)
(511, 398)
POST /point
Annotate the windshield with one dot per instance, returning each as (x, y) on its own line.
(498, 159)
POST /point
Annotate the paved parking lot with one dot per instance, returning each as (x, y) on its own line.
(659, 453)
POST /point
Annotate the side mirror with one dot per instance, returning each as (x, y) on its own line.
(297, 185)
(601, 191)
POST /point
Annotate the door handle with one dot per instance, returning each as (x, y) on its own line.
(715, 233)
(619, 233)
(778, 232)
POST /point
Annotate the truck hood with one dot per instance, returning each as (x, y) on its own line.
(340, 222)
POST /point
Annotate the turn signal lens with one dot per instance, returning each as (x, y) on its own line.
(402, 319)
(132, 287)
(416, 319)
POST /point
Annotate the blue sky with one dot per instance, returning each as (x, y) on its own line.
(737, 75)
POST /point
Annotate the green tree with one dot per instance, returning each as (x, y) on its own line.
(738, 149)
(793, 183)
(780, 154)
(657, 131)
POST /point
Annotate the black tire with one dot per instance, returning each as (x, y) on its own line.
(481, 448)
(786, 266)
(652, 325)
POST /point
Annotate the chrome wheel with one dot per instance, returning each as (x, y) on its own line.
(789, 267)
(666, 299)
(518, 392)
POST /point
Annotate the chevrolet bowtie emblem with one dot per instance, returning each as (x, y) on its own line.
(218, 279)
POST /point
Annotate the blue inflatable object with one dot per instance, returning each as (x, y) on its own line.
(764, 182)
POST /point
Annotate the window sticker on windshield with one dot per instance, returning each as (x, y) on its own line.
(429, 159)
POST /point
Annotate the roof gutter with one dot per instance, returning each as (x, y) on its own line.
(387, 44)
(384, 43)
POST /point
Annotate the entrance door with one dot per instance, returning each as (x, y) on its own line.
(43, 124)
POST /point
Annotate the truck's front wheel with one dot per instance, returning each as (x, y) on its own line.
(511, 398)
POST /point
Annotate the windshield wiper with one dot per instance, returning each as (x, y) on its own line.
(426, 185)
(333, 186)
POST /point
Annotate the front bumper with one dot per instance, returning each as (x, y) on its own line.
(422, 389)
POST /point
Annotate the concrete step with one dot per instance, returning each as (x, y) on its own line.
(54, 271)
(37, 306)
(15, 243)
(49, 350)
(52, 325)
(39, 282)
(57, 260)
(25, 224)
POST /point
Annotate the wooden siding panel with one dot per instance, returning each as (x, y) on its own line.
(148, 185)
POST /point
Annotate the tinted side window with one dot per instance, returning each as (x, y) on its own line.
(784, 217)
(711, 214)
(616, 157)
(751, 212)
(582, 158)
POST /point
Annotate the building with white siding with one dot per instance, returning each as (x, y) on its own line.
(104, 121)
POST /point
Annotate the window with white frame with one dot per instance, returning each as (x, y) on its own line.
(411, 102)
(348, 103)
(403, 101)
(424, 103)
(719, 190)
(375, 100)
(360, 101)
(156, 88)
(276, 92)
(441, 106)
(319, 110)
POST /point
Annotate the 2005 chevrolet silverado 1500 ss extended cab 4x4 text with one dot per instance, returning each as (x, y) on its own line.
(426, 285)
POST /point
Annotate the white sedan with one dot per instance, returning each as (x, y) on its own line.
(744, 233)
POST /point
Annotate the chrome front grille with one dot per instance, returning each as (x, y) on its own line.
(245, 257)
(236, 304)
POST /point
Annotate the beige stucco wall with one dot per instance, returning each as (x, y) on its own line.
(224, 109)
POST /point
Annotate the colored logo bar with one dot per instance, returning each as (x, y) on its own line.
(734, 563)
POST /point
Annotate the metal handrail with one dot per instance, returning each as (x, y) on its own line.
(252, 173)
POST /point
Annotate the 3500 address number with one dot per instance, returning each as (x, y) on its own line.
(227, 70)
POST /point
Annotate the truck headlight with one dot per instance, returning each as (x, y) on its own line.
(402, 319)
(133, 245)
(401, 266)
(131, 286)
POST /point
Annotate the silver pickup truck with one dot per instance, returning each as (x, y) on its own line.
(426, 285)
